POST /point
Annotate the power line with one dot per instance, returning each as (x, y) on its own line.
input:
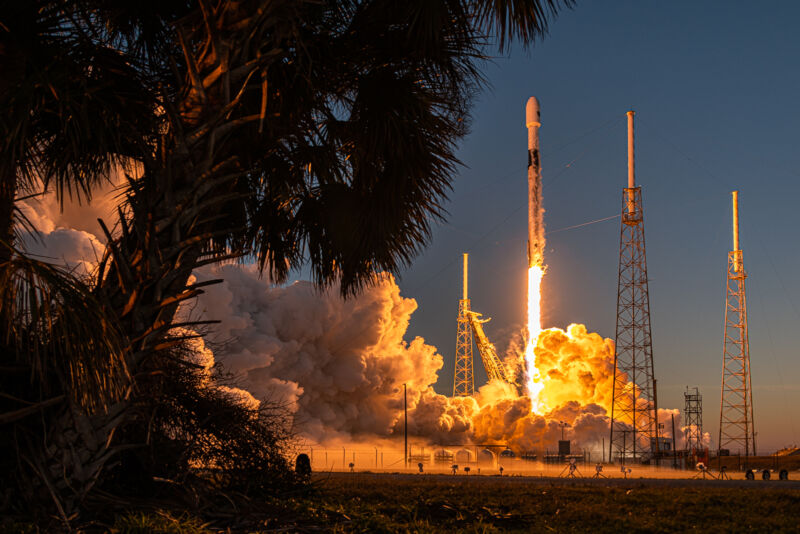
(563, 168)
(583, 224)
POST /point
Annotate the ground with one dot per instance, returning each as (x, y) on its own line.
(440, 503)
(393, 502)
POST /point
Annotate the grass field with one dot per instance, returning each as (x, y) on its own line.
(387, 503)
(375, 503)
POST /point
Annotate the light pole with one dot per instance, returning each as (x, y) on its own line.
(674, 445)
(405, 426)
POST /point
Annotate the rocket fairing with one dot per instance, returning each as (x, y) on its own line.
(535, 211)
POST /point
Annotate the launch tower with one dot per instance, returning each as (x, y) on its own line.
(464, 381)
(736, 429)
(634, 424)
(469, 324)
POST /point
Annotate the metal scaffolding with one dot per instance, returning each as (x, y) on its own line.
(736, 424)
(693, 412)
(634, 425)
(464, 380)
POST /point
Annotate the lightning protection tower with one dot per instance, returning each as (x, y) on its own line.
(693, 412)
(464, 380)
(634, 425)
(736, 428)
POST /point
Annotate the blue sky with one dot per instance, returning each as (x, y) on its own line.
(716, 89)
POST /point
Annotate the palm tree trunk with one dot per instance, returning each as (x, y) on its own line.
(175, 204)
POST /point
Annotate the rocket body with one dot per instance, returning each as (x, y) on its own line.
(535, 210)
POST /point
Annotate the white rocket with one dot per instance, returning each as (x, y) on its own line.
(535, 211)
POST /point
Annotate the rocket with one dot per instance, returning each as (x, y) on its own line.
(535, 211)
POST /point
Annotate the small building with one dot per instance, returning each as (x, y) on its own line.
(664, 444)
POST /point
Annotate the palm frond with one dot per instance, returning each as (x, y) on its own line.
(54, 328)
(525, 20)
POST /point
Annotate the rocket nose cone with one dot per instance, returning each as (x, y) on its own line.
(532, 113)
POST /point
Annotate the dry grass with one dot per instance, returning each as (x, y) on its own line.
(490, 504)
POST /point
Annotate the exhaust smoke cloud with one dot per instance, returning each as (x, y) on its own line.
(340, 366)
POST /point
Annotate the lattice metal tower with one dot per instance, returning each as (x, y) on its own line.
(736, 425)
(693, 412)
(634, 425)
(464, 381)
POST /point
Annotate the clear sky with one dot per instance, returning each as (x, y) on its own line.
(716, 90)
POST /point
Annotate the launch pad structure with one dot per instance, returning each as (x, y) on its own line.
(469, 324)
(736, 425)
(693, 413)
(634, 409)
(464, 379)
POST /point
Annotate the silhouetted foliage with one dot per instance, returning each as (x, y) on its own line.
(71, 106)
(60, 350)
(293, 131)
(195, 431)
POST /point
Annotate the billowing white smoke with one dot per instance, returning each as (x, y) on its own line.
(77, 250)
(68, 232)
(339, 364)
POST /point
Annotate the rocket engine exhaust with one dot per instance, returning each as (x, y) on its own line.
(535, 212)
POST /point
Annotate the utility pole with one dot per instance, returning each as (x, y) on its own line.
(405, 425)
(674, 445)
(634, 402)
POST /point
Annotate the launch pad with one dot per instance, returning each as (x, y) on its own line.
(635, 431)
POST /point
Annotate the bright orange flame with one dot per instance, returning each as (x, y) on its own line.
(535, 382)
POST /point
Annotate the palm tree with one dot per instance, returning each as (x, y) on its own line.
(321, 132)
(291, 130)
